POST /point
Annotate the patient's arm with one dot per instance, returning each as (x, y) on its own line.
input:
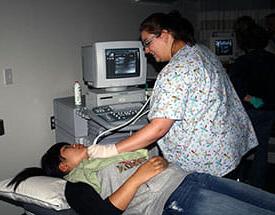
(124, 195)
(85, 200)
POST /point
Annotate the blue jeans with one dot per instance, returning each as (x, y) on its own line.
(203, 194)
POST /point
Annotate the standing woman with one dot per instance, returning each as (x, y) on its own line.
(195, 115)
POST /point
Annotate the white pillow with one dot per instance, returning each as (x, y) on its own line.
(43, 191)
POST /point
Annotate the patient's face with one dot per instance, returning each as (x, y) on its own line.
(73, 154)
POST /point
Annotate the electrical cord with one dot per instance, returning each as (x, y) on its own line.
(134, 119)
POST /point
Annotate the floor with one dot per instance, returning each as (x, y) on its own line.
(270, 183)
(271, 157)
(271, 179)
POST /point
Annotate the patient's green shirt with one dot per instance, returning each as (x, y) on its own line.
(88, 169)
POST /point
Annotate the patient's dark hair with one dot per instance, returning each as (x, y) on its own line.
(49, 166)
(181, 28)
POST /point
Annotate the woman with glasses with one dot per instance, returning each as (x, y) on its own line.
(195, 114)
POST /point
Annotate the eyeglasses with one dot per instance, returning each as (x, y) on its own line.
(149, 40)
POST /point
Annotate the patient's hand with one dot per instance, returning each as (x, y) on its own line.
(149, 169)
(124, 194)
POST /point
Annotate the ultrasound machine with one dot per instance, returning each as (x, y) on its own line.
(115, 104)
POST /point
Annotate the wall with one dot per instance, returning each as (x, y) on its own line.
(211, 5)
(40, 41)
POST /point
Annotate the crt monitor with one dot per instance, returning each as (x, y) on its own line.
(224, 46)
(114, 65)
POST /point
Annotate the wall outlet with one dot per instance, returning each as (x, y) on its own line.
(7, 73)
(52, 121)
(2, 130)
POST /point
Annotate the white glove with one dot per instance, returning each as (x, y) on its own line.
(102, 151)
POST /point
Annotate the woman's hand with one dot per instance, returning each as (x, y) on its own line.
(247, 98)
(126, 192)
(149, 169)
(255, 101)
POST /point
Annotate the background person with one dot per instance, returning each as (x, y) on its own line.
(195, 113)
(270, 27)
(253, 76)
(149, 187)
(240, 28)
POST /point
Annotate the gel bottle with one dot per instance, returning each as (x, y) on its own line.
(77, 93)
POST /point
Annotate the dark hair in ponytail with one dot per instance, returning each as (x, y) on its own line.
(49, 166)
(23, 175)
(181, 28)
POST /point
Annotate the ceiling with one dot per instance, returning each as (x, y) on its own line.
(158, 1)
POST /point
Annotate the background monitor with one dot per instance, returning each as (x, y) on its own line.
(114, 65)
(224, 46)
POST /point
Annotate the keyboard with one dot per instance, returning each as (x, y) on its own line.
(118, 112)
(113, 115)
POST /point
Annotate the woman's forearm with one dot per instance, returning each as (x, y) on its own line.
(124, 195)
(145, 136)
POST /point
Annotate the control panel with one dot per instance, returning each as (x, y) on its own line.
(110, 116)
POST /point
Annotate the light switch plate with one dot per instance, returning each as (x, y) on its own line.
(8, 79)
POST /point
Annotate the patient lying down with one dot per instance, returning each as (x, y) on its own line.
(132, 183)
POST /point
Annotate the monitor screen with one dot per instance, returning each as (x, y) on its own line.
(121, 63)
(223, 44)
(114, 64)
(224, 47)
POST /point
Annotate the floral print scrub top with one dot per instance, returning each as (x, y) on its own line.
(212, 130)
